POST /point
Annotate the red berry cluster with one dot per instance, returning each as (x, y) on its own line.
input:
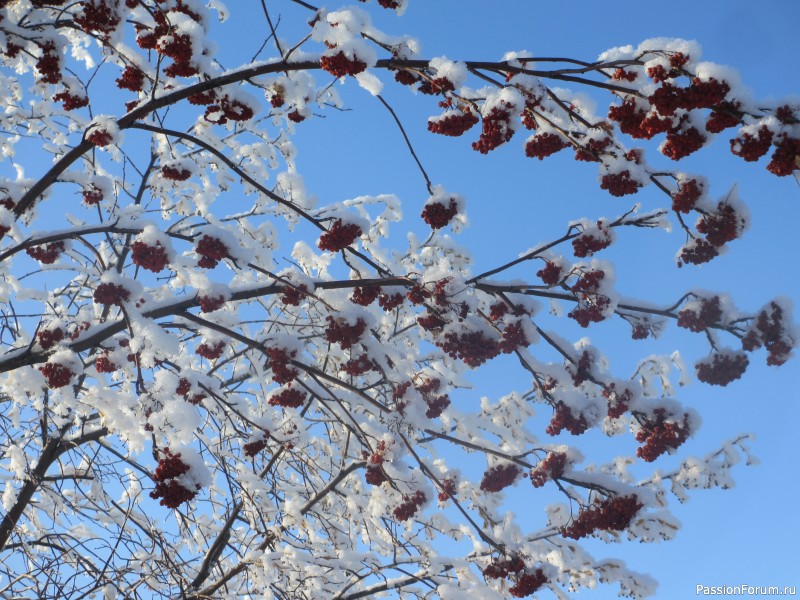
(49, 64)
(619, 184)
(389, 3)
(364, 296)
(211, 352)
(211, 251)
(294, 295)
(288, 398)
(587, 244)
(99, 137)
(359, 365)
(56, 374)
(210, 303)
(659, 74)
(700, 318)
(551, 467)
(111, 293)
(295, 117)
(417, 294)
(723, 116)
(502, 568)
(277, 100)
(697, 252)
(47, 253)
(171, 492)
(103, 364)
(132, 78)
(581, 370)
(786, 156)
(682, 142)
(449, 489)
(227, 110)
(436, 402)
(542, 145)
(185, 389)
(152, 258)
(592, 150)
(687, 195)
(769, 330)
(640, 331)
(722, 368)
(339, 236)
(528, 583)
(437, 215)
(610, 514)
(660, 435)
(175, 173)
(50, 337)
(752, 147)
(92, 195)
(550, 274)
(438, 85)
(340, 65)
(618, 400)
(163, 39)
(700, 94)
(513, 337)
(499, 477)
(430, 321)
(453, 124)
(721, 226)
(623, 75)
(343, 333)
(98, 17)
(71, 101)
(495, 130)
(389, 302)
(563, 418)
(590, 310)
(253, 448)
(409, 506)
(375, 475)
(472, 347)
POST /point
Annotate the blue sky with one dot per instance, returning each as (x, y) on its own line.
(744, 535)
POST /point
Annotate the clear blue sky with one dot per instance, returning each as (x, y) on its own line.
(745, 535)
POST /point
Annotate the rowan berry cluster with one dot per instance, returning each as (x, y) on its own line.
(48, 338)
(499, 477)
(71, 101)
(496, 129)
(513, 337)
(152, 258)
(687, 195)
(226, 110)
(722, 368)
(551, 467)
(184, 389)
(436, 402)
(472, 347)
(288, 398)
(721, 226)
(438, 85)
(365, 295)
(293, 295)
(359, 365)
(111, 294)
(295, 116)
(700, 94)
(551, 274)
(449, 489)
(388, 302)
(587, 244)
(619, 184)
(49, 64)
(340, 65)
(174, 173)
(682, 142)
(56, 374)
(623, 75)
(699, 318)
(528, 583)
(769, 329)
(785, 158)
(211, 251)
(724, 115)
(752, 147)
(437, 215)
(453, 124)
(103, 364)
(375, 475)
(660, 74)
(172, 493)
(564, 418)
(132, 79)
(697, 252)
(211, 351)
(581, 369)
(610, 514)
(47, 253)
(92, 195)
(210, 303)
(659, 435)
(618, 400)
(640, 331)
(99, 137)
(98, 17)
(543, 145)
(590, 310)
(339, 236)
(254, 447)
(430, 321)
(409, 506)
(339, 331)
